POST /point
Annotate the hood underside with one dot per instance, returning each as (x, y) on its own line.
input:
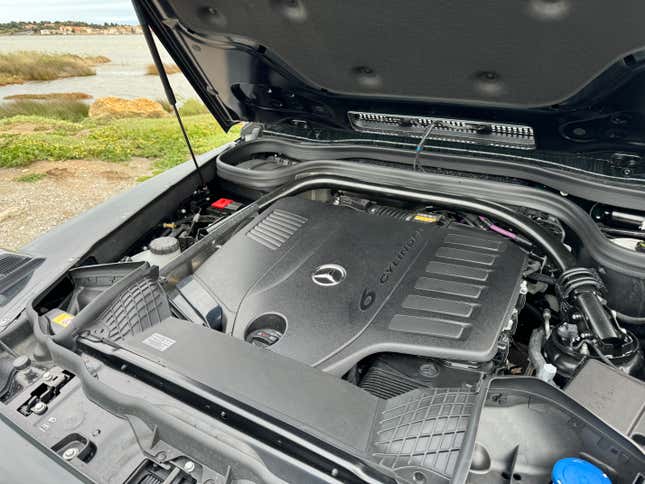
(527, 62)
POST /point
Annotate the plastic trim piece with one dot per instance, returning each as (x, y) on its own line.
(249, 420)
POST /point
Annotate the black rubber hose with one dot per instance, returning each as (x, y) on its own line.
(625, 318)
(536, 341)
(637, 234)
(542, 237)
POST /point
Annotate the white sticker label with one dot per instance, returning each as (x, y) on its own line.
(159, 341)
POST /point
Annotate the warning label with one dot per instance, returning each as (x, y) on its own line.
(159, 342)
(63, 319)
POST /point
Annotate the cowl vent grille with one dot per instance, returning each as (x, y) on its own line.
(445, 129)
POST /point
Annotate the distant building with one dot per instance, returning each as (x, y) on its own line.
(66, 28)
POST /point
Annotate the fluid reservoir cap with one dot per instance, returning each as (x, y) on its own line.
(577, 471)
(164, 245)
(21, 362)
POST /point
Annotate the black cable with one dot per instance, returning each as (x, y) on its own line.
(602, 357)
(8, 350)
(419, 148)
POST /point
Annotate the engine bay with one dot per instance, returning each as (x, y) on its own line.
(402, 271)
(407, 303)
(337, 278)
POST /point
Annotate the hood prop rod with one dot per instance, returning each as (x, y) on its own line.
(170, 95)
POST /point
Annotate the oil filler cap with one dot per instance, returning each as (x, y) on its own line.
(577, 471)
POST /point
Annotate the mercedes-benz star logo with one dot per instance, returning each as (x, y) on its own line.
(329, 275)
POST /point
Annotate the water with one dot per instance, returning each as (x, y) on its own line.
(123, 77)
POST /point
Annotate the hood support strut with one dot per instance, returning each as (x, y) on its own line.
(170, 95)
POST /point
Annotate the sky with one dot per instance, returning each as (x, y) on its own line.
(93, 11)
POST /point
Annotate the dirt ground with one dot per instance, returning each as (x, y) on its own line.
(29, 209)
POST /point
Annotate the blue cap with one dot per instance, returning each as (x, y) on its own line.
(577, 471)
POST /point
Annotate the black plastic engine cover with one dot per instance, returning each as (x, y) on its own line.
(409, 287)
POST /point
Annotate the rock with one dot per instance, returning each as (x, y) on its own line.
(8, 213)
(115, 107)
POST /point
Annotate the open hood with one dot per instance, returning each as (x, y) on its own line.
(571, 70)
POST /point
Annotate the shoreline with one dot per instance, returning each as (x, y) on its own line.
(95, 34)
(123, 77)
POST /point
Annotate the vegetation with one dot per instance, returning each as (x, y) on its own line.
(68, 107)
(21, 66)
(151, 69)
(31, 177)
(115, 107)
(25, 139)
(64, 96)
(96, 59)
(68, 110)
(189, 107)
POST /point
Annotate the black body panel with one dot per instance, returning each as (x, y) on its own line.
(335, 408)
(410, 287)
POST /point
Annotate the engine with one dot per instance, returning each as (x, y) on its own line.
(331, 285)
(389, 291)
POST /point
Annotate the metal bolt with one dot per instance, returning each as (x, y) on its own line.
(47, 376)
(70, 453)
(39, 408)
(429, 370)
(419, 477)
(189, 466)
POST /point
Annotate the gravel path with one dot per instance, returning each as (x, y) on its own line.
(29, 209)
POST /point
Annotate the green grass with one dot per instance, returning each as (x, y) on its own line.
(69, 110)
(31, 177)
(191, 107)
(115, 140)
(21, 66)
